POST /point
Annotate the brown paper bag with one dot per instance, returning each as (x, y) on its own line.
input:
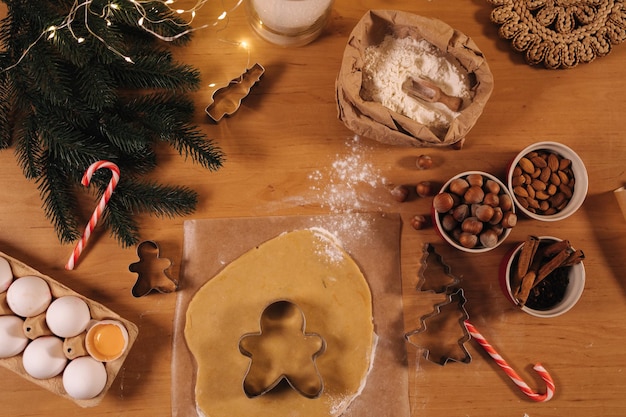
(373, 120)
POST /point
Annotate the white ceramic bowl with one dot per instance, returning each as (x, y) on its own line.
(580, 176)
(445, 235)
(573, 291)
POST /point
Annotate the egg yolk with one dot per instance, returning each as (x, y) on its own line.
(108, 340)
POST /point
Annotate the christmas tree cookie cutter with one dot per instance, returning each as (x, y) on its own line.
(227, 100)
(282, 352)
(442, 333)
(152, 271)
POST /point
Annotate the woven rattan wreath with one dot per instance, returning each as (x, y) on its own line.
(561, 33)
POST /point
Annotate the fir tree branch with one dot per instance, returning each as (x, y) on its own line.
(155, 69)
(59, 202)
(63, 104)
(133, 197)
(5, 109)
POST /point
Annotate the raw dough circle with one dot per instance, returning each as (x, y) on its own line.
(309, 268)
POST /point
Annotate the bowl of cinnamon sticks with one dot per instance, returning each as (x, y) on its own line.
(544, 276)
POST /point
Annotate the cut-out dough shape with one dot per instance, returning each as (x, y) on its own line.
(282, 351)
(152, 271)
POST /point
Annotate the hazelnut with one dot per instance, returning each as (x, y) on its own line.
(497, 216)
(424, 189)
(424, 162)
(492, 187)
(472, 225)
(461, 212)
(484, 213)
(443, 202)
(458, 186)
(400, 193)
(474, 195)
(489, 238)
(475, 179)
(509, 220)
(468, 240)
(506, 204)
(448, 222)
(419, 222)
(492, 199)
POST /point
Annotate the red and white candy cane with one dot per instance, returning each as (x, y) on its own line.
(550, 388)
(115, 177)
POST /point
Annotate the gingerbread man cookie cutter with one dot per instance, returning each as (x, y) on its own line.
(152, 271)
(282, 351)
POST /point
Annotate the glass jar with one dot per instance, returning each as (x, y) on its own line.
(288, 22)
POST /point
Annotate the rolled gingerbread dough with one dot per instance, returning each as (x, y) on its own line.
(309, 268)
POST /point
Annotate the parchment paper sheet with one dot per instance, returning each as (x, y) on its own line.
(375, 121)
(373, 240)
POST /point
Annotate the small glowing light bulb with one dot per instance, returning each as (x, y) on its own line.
(212, 85)
(140, 21)
(80, 40)
(222, 16)
(243, 44)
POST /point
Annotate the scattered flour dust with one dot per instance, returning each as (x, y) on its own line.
(349, 186)
(388, 65)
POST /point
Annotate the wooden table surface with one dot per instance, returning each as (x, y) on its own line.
(280, 148)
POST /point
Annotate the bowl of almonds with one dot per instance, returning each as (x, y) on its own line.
(474, 211)
(548, 181)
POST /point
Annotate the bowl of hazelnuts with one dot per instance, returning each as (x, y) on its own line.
(474, 211)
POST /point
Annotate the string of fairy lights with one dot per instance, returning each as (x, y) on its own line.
(83, 10)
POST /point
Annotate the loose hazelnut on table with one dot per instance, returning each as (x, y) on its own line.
(424, 189)
(424, 162)
(419, 222)
(400, 193)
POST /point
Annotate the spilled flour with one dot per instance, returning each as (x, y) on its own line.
(349, 186)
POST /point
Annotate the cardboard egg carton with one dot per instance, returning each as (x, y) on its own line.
(98, 312)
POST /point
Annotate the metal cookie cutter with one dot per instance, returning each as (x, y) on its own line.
(435, 275)
(440, 329)
(282, 351)
(226, 100)
(152, 271)
(442, 333)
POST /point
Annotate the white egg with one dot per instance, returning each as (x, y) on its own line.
(44, 357)
(68, 316)
(12, 337)
(28, 296)
(6, 276)
(84, 378)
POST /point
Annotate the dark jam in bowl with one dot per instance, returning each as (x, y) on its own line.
(550, 291)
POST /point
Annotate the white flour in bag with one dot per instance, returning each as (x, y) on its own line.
(387, 66)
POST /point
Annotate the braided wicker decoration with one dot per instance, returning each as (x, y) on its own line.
(561, 33)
